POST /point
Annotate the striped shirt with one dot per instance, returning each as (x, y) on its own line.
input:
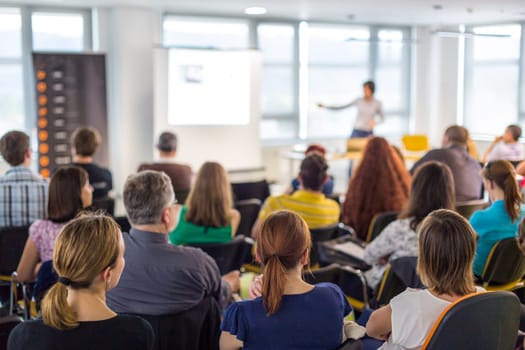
(314, 208)
(23, 197)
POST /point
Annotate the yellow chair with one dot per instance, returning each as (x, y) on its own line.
(415, 143)
(505, 266)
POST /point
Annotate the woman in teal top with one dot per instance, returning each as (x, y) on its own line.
(501, 219)
(208, 216)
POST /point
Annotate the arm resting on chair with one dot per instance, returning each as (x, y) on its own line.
(26, 270)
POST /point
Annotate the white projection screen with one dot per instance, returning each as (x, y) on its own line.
(211, 100)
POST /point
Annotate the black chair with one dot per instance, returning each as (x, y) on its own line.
(123, 222)
(399, 274)
(228, 256)
(249, 190)
(7, 323)
(249, 210)
(379, 222)
(319, 235)
(467, 208)
(195, 329)
(182, 195)
(478, 321)
(106, 204)
(12, 243)
(350, 344)
(505, 266)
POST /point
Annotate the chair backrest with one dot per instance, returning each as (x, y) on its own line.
(12, 242)
(182, 195)
(249, 190)
(7, 323)
(249, 210)
(228, 256)
(467, 208)
(195, 329)
(123, 222)
(379, 222)
(321, 234)
(415, 143)
(350, 344)
(505, 263)
(399, 274)
(106, 204)
(487, 320)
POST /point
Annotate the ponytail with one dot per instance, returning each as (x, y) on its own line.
(512, 197)
(56, 312)
(273, 284)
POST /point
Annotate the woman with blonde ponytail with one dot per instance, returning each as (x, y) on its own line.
(501, 219)
(89, 259)
(290, 314)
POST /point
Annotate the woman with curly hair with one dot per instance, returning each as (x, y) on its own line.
(381, 183)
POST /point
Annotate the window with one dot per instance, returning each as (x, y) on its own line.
(492, 70)
(49, 33)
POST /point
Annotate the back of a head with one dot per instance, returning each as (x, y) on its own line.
(371, 85)
(313, 171)
(210, 199)
(146, 194)
(447, 245)
(14, 146)
(432, 188)
(315, 148)
(282, 241)
(167, 142)
(65, 193)
(457, 135)
(85, 140)
(84, 248)
(515, 131)
(502, 174)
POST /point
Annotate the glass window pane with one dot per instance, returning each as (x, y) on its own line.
(394, 126)
(10, 33)
(205, 33)
(276, 41)
(338, 44)
(390, 46)
(11, 98)
(50, 33)
(491, 98)
(497, 48)
(278, 90)
(389, 87)
(271, 129)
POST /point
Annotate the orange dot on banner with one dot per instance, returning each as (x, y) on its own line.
(42, 123)
(42, 100)
(44, 161)
(42, 112)
(45, 172)
(42, 135)
(41, 74)
(43, 148)
(41, 87)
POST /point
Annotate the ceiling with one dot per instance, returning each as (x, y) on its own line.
(371, 11)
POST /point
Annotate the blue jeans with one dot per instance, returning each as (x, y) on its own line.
(361, 133)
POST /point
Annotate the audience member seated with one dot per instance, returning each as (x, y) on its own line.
(309, 202)
(23, 194)
(179, 174)
(328, 186)
(69, 193)
(161, 278)
(381, 183)
(501, 219)
(291, 314)
(506, 146)
(465, 169)
(208, 216)
(84, 143)
(432, 188)
(89, 261)
(446, 250)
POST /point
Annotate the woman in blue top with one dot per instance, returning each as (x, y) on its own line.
(291, 314)
(501, 219)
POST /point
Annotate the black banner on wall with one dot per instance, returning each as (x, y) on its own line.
(70, 92)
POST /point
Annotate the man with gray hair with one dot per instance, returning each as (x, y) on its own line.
(160, 278)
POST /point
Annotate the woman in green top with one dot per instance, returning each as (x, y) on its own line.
(208, 216)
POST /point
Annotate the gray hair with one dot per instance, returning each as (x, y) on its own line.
(146, 194)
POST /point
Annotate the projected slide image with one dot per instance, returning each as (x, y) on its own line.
(208, 87)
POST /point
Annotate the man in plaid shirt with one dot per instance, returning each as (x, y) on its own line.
(23, 194)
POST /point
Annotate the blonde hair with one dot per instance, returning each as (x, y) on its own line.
(84, 248)
(282, 240)
(210, 200)
(446, 251)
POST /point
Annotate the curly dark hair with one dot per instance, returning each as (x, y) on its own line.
(381, 183)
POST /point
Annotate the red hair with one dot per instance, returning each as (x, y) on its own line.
(381, 183)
